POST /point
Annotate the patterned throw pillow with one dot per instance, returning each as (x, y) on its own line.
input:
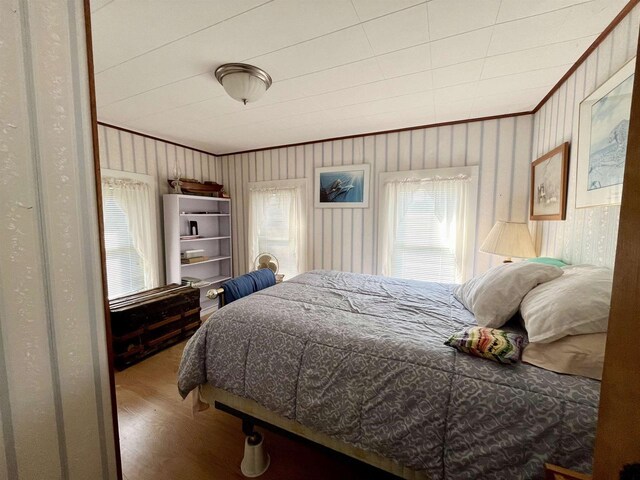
(491, 343)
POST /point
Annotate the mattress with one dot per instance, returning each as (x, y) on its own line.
(362, 359)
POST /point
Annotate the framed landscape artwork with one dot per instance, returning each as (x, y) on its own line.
(342, 187)
(549, 173)
(602, 140)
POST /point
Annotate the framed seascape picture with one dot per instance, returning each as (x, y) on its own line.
(548, 196)
(342, 187)
(602, 140)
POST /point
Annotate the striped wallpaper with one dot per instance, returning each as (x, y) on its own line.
(124, 151)
(346, 239)
(588, 235)
(55, 404)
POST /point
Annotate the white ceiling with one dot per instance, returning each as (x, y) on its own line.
(339, 67)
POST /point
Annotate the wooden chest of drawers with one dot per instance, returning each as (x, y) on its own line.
(147, 322)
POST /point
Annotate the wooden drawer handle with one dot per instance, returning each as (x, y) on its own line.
(128, 336)
(155, 341)
(192, 311)
(191, 326)
(130, 352)
(164, 322)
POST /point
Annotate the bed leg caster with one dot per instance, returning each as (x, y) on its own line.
(255, 461)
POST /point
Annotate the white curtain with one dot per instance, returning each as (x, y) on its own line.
(277, 225)
(134, 198)
(432, 214)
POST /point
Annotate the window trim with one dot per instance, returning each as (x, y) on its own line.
(138, 177)
(473, 172)
(290, 183)
(426, 174)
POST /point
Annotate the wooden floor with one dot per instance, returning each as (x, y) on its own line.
(159, 438)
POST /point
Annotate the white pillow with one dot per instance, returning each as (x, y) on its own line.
(494, 296)
(575, 304)
(574, 355)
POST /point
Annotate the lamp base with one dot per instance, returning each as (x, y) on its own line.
(255, 461)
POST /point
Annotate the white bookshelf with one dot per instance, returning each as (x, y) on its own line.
(214, 228)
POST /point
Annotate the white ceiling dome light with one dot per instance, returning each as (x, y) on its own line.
(244, 83)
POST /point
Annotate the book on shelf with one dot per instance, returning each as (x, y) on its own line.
(187, 261)
(192, 253)
(196, 282)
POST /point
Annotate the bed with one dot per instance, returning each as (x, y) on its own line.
(357, 362)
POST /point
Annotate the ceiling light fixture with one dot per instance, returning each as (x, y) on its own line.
(243, 82)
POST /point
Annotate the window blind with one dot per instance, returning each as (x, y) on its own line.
(422, 249)
(125, 273)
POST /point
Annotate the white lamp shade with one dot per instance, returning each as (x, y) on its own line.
(243, 86)
(509, 239)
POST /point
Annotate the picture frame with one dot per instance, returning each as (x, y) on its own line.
(549, 182)
(345, 186)
(602, 140)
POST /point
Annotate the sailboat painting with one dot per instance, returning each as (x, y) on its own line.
(342, 187)
(602, 148)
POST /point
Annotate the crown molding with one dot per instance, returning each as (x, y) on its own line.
(146, 135)
(381, 132)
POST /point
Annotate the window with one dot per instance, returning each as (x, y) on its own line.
(124, 265)
(277, 224)
(427, 224)
(130, 236)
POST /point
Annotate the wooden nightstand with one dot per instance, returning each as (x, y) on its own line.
(553, 472)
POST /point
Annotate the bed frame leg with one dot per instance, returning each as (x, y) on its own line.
(255, 461)
(248, 426)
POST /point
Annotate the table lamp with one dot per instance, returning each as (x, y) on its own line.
(509, 239)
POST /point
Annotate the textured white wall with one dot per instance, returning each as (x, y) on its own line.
(55, 409)
(346, 239)
(128, 152)
(588, 235)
